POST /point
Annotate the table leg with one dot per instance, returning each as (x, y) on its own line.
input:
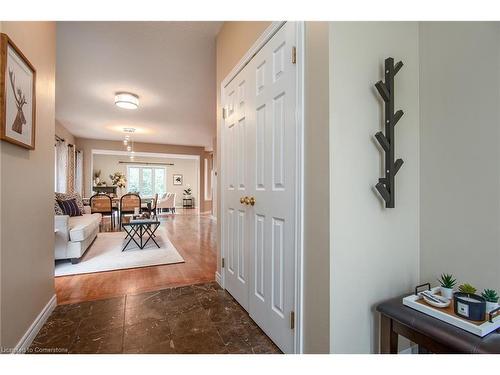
(388, 338)
(151, 233)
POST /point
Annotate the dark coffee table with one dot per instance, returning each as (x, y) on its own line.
(143, 229)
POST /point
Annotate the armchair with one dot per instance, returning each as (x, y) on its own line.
(167, 202)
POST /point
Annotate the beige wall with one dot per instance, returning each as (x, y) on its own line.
(374, 250)
(233, 41)
(62, 132)
(27, 213)
(188, 168)
(460, 152)
(87, 145)
(316, 191)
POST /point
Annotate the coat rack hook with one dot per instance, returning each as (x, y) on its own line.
(386, 185)
(382, 90)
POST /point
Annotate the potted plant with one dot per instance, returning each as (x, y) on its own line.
(467, 289)
(491, 298)
(447, 283)
(187, 192)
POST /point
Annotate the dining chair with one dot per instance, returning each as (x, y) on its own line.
(103, 204)
(128, 203)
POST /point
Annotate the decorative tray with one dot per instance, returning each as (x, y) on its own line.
(447, 314)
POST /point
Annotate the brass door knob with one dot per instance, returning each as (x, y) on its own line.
(242, 200)
(252, 201)
(247, 200)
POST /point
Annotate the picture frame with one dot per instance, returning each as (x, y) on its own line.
(177, 179)
(17, 95)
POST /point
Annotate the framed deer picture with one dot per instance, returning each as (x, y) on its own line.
(17, 96)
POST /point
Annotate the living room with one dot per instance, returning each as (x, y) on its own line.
(131, 173)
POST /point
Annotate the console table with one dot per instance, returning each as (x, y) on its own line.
(188, 202)
(104, 189)
(430, 333)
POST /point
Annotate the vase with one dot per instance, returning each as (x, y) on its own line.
(447, 292)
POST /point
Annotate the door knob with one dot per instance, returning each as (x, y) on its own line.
(247, 200)
(242, 200)
(252, 201)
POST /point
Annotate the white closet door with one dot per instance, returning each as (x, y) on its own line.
(235, 169)
(272, 138)
(259, 159)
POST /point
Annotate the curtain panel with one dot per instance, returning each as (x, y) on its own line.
(61, 166)
(70, 184)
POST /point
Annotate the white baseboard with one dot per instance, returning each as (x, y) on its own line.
(218, 278)
(35, 327)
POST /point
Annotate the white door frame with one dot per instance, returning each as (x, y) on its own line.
(299, 248)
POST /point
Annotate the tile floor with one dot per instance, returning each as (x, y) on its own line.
(193, 319)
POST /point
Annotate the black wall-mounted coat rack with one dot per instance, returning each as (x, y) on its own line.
(385, 185)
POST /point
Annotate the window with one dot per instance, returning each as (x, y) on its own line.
(147, 181)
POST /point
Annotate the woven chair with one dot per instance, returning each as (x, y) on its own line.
(128, 203)
(103, 204)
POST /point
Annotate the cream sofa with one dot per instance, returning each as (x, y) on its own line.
(75, 234)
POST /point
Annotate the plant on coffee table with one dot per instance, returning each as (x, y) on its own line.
(491, 298)
(467, 288)
(447, 283)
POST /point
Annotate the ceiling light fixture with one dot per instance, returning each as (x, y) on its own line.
(126, 100)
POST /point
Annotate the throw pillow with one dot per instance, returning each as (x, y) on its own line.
(65, 196)
(57, 209)
(69, 207)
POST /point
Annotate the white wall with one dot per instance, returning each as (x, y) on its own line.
(460, 151)
(374, 250)
(188, 168)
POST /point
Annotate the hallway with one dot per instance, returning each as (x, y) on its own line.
(192, 319)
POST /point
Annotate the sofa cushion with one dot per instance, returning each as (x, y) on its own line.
(75, 196)
(57, 209)
(70, 208)
(81, 227)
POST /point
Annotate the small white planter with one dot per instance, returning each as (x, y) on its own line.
(490, 306)
(447, 292)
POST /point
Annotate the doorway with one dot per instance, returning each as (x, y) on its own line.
(261, 159)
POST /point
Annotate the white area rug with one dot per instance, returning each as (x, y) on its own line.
(106, 254)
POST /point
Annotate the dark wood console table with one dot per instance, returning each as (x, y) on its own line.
(104, 189)
(430, 333)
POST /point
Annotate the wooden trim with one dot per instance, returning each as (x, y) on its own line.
(5, 42)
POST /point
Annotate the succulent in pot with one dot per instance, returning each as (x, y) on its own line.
(447, 283)
(491, 298)
(467, 289)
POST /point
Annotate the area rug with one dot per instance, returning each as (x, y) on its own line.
(106, 254)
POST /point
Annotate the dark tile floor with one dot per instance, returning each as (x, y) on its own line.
(192, 319)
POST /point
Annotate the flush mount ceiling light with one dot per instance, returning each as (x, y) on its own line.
(126, 100)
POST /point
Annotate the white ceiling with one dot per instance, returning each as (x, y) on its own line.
(170, 65)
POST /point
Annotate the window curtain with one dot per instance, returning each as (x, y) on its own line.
(79, 172)
(61, 166)
(70, 176)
